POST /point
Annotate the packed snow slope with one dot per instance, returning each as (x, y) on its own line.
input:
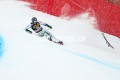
(84, 56)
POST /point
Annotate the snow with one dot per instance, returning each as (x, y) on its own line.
(85, 55)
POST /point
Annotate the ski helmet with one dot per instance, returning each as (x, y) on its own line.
(34, 19)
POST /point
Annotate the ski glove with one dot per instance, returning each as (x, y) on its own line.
(49, 26)
(29, 31)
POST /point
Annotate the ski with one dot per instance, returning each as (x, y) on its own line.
(107, 42)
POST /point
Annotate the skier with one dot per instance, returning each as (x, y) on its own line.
(35, 26)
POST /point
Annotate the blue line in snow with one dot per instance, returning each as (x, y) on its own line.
(111, 65)
(105, 63)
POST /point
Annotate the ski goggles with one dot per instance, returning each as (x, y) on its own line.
(35, 21)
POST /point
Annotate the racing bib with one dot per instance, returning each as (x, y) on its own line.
(36, 26)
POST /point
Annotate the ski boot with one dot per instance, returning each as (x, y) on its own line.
(50, 39)
(60, 42)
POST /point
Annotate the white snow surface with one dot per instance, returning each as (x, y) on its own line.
(84, 56)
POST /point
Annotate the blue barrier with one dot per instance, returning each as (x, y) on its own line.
(1, 46)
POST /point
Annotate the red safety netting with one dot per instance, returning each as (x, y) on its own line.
(107, 14)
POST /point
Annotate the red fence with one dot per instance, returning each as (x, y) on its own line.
(107, 14)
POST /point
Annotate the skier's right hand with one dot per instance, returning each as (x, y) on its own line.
(29, 31)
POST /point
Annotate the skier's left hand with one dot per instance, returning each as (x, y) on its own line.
(50, 27)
